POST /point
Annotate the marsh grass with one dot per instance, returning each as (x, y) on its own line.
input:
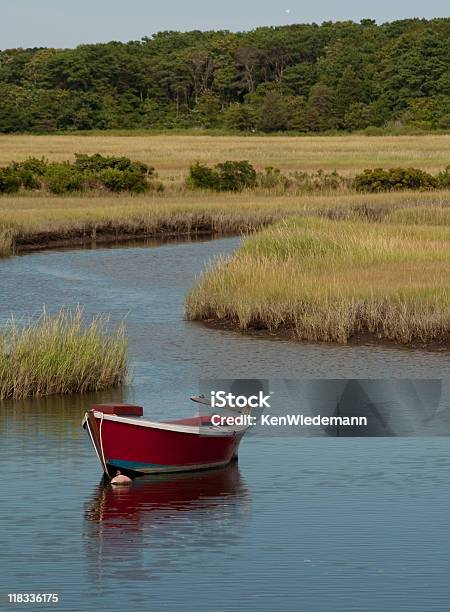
(173, 154)
(60, 354)
(328, 280)
(43, 221)
(433, 215)
(37, 219)
(373, 263)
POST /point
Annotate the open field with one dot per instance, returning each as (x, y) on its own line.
(326, 280)
(172, 154)
(45, 221)
(60, 355)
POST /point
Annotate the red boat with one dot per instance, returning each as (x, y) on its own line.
(125, 441)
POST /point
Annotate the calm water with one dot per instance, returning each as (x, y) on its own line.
(303, 523)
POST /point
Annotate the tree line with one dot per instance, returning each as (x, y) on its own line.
(304, 78)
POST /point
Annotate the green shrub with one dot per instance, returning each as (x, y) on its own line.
(203, 177)
(30, 171)
(97, 162)
(123, 180)
(228, 176)
(10, 181)
(63, 178)
(32, 165)
(443, 178)
(29, 180)
(87, 173)
(236, 175)
(394, 179)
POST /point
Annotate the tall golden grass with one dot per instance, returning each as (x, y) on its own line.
(60, 354)
(328, 280)
(172, 154)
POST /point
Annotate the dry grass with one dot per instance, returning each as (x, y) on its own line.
(35, 221)
(429, 215)
(327, 280)
(60, 355)
(173, 154)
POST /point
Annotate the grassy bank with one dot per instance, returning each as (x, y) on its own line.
(38, 221)
(328, 280)
(60, 355)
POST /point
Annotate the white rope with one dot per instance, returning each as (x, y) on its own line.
(101, 447)
(92, 439)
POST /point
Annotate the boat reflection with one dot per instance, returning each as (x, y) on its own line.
(144, 524)
(150, 498)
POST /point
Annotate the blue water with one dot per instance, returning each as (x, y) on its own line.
(314, 524)
(301, 524)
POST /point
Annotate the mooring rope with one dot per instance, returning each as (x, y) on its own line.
(102, 458)
(101, 447)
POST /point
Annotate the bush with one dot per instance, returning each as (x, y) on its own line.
(228, 176)
(30, 171)
(236, 175)
(63, 178)
(394, 179)
(443, 178)
(203, 177)
(97, 162)
(123, 180)
(87, 173)
(10, 181)
(32, 165)
(29, 180)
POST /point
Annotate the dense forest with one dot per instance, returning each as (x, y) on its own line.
(304, 78)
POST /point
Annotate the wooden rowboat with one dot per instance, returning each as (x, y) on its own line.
(123, 440)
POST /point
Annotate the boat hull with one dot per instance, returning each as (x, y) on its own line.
(140, 448)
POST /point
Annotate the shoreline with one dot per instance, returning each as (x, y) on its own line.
(288, 334)
(29, 245)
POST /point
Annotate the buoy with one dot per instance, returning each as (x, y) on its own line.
(121, 479)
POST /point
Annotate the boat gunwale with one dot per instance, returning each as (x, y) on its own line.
(200, 430)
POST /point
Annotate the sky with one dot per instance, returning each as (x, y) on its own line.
(67, 23)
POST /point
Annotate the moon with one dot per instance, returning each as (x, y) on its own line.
(287, 11)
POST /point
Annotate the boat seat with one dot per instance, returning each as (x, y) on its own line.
(119, 409)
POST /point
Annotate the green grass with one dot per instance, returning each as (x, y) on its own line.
(328, 280)
(60, 354)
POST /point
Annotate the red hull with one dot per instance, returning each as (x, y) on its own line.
(134, 445)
